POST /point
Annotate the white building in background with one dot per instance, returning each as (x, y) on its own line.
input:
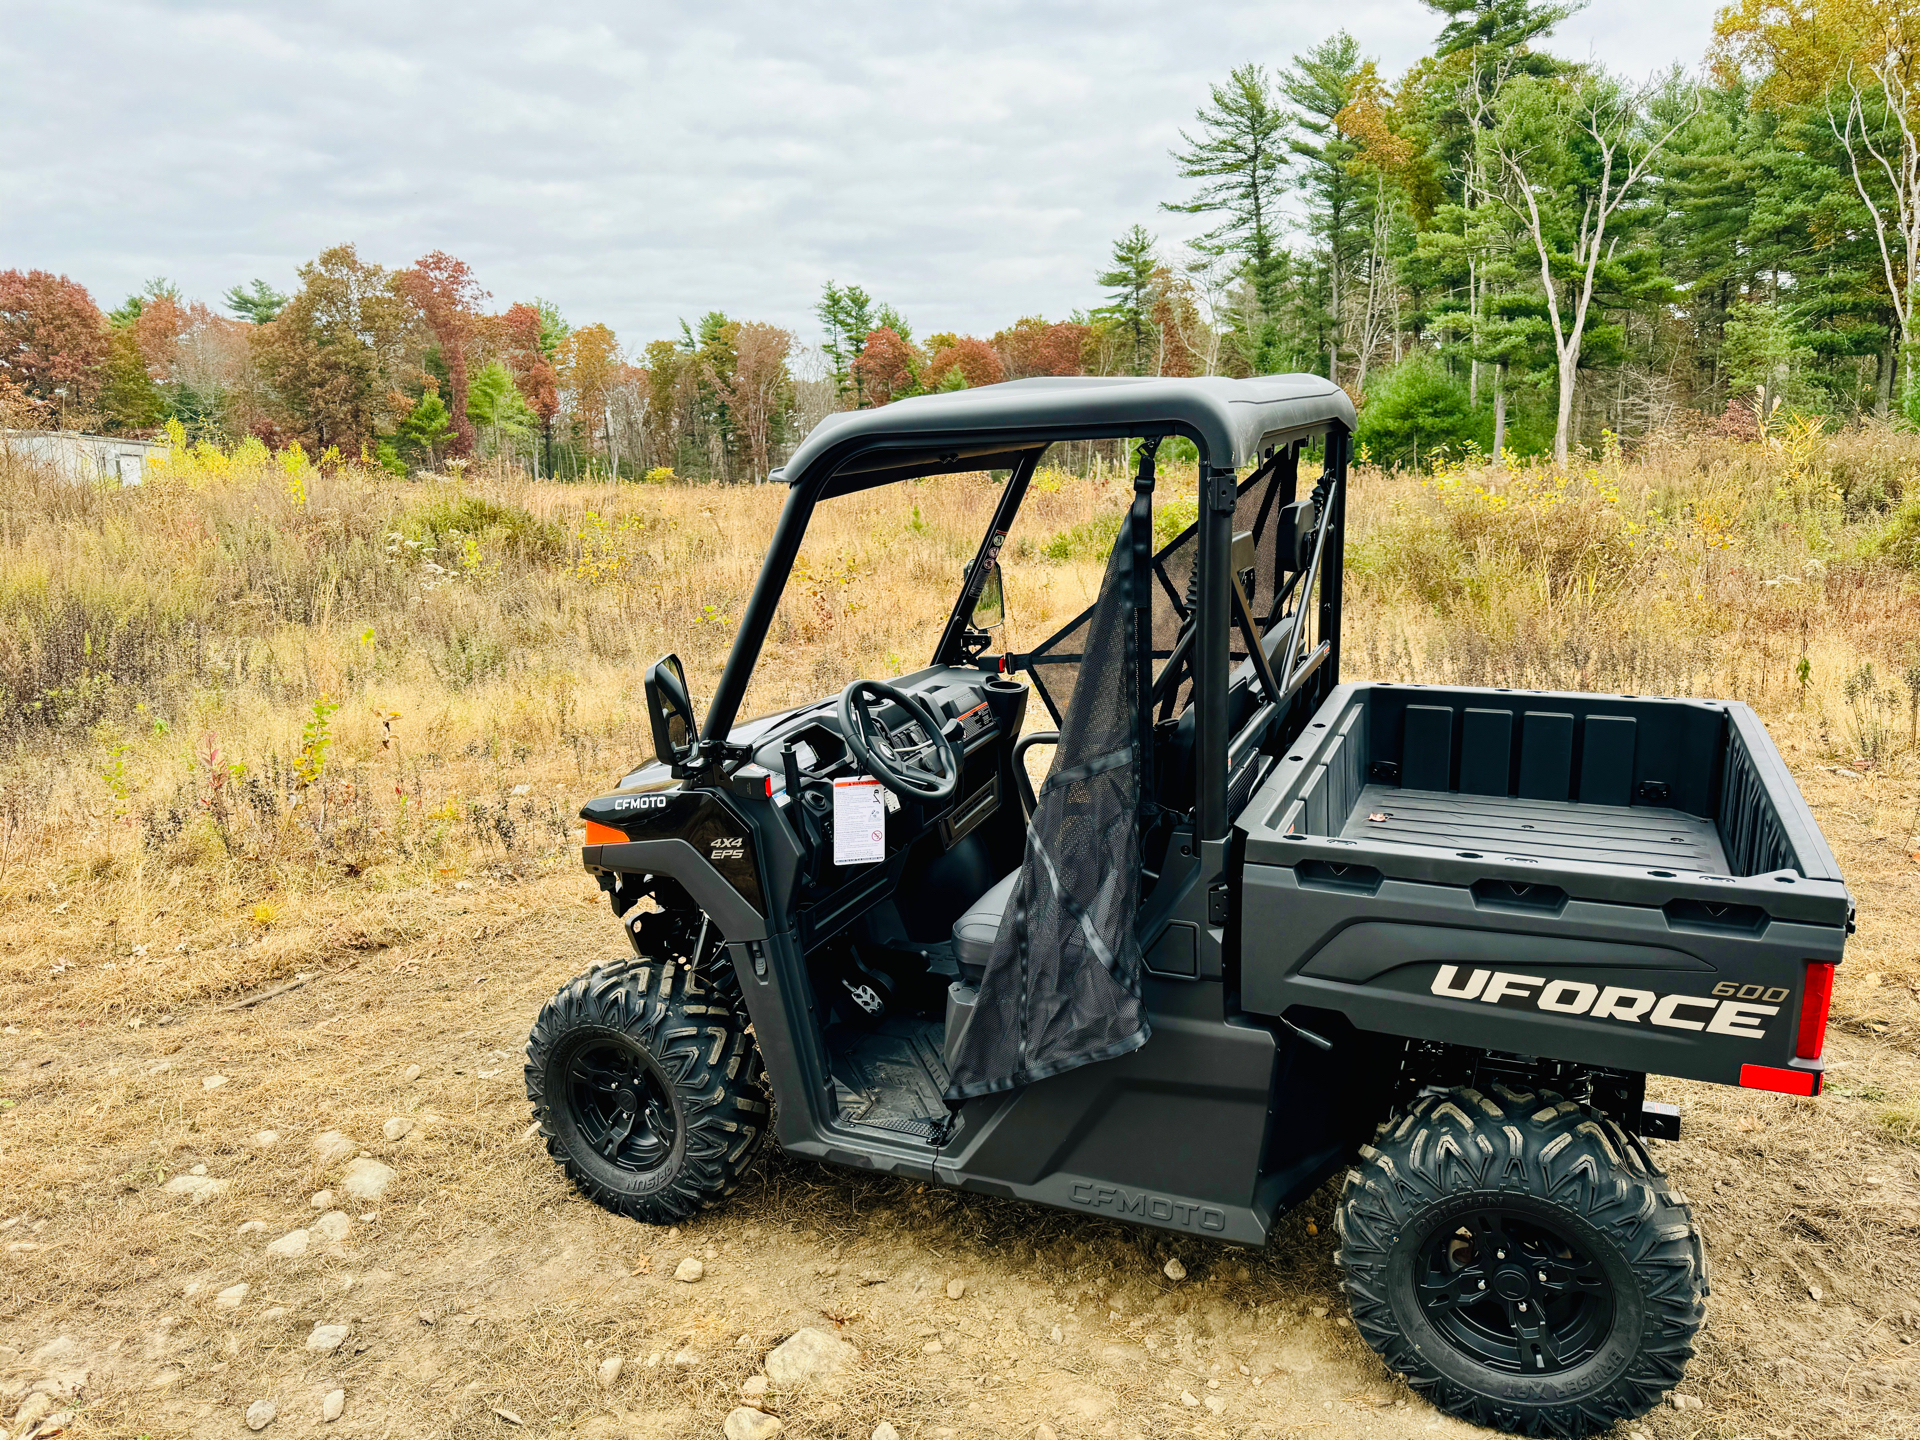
(85, 458)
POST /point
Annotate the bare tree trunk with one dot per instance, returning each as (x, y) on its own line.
(1474, 336)
(1500, 408)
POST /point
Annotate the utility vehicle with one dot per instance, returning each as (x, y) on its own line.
(1259, 925)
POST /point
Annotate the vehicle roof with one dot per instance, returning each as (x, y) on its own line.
(993, 426)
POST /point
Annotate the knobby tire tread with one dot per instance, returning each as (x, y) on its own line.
(1464, 1141)
(691, 1022)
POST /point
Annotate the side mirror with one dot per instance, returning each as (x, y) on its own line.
(990, 609)
(671, 710)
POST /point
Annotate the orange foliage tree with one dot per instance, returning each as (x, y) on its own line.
(444, 291)
(52, 337)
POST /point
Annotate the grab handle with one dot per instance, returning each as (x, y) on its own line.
(1021, 782)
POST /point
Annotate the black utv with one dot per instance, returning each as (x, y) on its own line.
(1259, 925)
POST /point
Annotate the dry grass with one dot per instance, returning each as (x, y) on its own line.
(183, 823)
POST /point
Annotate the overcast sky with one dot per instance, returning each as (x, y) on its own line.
(641, 162)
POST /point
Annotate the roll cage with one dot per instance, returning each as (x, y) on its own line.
(1225, 634)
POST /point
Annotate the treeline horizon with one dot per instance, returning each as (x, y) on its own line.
(1500, 250)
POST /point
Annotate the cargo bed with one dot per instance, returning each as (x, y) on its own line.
(1649, 843)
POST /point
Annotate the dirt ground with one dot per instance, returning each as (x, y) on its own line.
(140, 1293)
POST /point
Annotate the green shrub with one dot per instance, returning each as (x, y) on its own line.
(1416, 410)
(508, 526)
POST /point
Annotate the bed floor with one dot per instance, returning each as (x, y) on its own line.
(1643, 836)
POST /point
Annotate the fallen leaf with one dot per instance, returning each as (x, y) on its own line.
(1377, 816)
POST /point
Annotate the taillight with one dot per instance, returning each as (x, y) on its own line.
(1779, 1078)
(1816, 993)
(599, 835)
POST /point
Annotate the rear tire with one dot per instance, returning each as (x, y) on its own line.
(1521, 1262)
(648, 1088)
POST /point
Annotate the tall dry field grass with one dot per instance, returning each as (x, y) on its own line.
(249, 707)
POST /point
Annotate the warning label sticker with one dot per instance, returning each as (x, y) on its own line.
(860, 821)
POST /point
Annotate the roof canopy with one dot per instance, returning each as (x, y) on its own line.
(992, 427)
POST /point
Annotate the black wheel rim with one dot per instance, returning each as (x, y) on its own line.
(1514, 1293)
(621, 1104)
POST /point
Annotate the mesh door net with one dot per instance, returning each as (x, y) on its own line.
(1064, 986)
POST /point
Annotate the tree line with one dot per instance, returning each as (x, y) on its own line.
(1500, 249)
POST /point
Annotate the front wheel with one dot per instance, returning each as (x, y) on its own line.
(647, 1086)
(1521, 1262)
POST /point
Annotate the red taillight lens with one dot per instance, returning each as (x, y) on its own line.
(599, 835)
(1816, 992)
(1778, 1078)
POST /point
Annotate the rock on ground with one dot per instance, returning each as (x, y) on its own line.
(294, 1243)
(260, 1415)
(809, 1357)
(690, 1270)
(321, 1200)
(956, 1289)
(35, 1409)
(396, 1127)
(608, 1371)
(744, 1423)
(231, 1298)
(335, 1226)
(886, 1432)
(198, 1189)
(367, 1179)
(334, 1403)
(326, 1338)
(1174, 1270)
(330, 1148)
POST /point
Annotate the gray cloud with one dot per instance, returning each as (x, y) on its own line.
(638, 164)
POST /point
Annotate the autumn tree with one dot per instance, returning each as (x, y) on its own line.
(1858, 64)
(889, 367)
(1033, 346)
(52, 340)
(962, 362)
(589, 365)
(444, 291)
(532, 335)
(757, 391)
(332, 356)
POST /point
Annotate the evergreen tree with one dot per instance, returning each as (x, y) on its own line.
(128, 396)
(1239, 158)
(1320, 84)
(1130, 285)
(847, 315)
(259, 302)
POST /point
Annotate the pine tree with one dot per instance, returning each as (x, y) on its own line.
(1130, 285)
(259, 303)
(1320, 84)
(1239, 158)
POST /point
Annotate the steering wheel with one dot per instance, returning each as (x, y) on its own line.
(926, 772)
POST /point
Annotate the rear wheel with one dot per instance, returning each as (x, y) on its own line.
(648, 1088)
(1519, 1259)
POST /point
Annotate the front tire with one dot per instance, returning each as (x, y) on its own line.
(648, 1088)
(1521, 1262)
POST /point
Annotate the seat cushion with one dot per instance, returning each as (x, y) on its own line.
(976, 930)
